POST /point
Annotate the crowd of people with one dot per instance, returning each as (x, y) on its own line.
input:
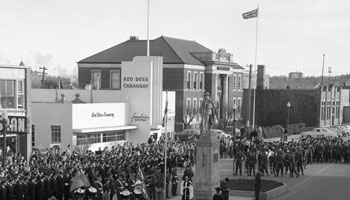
(281, 157)
(129, 171)
(125, 171)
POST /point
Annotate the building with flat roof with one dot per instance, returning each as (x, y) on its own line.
(15, 106)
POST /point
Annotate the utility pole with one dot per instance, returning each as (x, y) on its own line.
(43, 77)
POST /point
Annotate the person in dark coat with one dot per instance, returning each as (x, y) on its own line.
(257, 185)
(66, 182)
(218, 195)
(10, 191)
(225, 189)
(31, 189)
(60, 186)
(174, 181)
(3, 189)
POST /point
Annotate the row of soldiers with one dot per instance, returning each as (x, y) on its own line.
(108, 172)
(284, 157)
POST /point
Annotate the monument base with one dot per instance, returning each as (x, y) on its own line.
(207, 176)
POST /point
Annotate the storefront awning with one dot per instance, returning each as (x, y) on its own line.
(8, 135)
(102, 129)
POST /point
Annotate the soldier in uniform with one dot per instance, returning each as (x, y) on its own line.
(174, 181)
(252, 162)
(208, 113)
(238, 159)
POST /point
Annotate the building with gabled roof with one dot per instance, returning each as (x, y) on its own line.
(189, 68)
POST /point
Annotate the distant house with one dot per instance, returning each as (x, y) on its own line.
(295, 75)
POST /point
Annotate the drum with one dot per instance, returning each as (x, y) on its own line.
(125, 194)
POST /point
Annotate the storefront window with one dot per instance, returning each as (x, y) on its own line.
(113, 136)
(7, 93)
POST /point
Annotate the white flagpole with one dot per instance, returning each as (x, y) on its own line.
(166, 142)
(256, 55)
(148, 27)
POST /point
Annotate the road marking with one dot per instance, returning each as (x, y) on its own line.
(311, 176)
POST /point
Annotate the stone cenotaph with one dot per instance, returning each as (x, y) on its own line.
(207, 174)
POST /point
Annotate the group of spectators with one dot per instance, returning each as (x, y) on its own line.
(125, 171)
(280, 157)
(129, 171)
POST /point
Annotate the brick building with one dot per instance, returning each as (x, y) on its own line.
(189, 69)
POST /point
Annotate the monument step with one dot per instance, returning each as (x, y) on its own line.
(240, 198)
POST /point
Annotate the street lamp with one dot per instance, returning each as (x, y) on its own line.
(4, 119)
(288, 107)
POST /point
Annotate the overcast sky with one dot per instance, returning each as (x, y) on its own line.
(292, 36)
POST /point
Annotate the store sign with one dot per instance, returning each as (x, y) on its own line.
(135, 82)
(139, 117)
(16, 124)
(223, 68)
(102, 114)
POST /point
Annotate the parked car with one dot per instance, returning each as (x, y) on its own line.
(344, 128)
(319, 132)
(336, 129)
(188, 134)
(220, 134)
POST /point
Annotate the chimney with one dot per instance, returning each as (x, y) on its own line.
(134, 38)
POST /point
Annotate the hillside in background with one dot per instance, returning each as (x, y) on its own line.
(282, 82)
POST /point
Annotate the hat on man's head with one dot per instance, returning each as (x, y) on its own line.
(206, 94)
(218, 188)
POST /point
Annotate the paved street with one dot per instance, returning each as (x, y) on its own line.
(321, 181)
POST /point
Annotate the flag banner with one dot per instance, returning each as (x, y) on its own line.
(251, 14)
(78, 181)
(141, 177)
(164, 121)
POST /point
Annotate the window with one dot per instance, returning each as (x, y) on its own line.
(88, 138)
(200, 103)
(188, 80)
(96, 79)
(115, 79)
(239, 79)
(188, 106)
(33, 135)
(7, 94)
(195, 74)
(20, 95)
(55, 134)
(239, 104)
(234, 81)
(234, 103)
(195, 106)
(201, 80)
(121, 135)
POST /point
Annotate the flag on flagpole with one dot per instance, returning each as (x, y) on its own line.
(165, 111)
(251, 14)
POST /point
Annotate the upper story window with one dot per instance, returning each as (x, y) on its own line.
(189, 80)
(234, 82)
(96, 79)
(201, 80)
(55, 134)
(195, 79)
(12, 94)
(195, 106)
(115, 79)
(239, 82)
(188, 106)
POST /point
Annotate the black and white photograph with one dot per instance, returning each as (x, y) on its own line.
(174, 99)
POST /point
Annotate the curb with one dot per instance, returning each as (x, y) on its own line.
(271, 194)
